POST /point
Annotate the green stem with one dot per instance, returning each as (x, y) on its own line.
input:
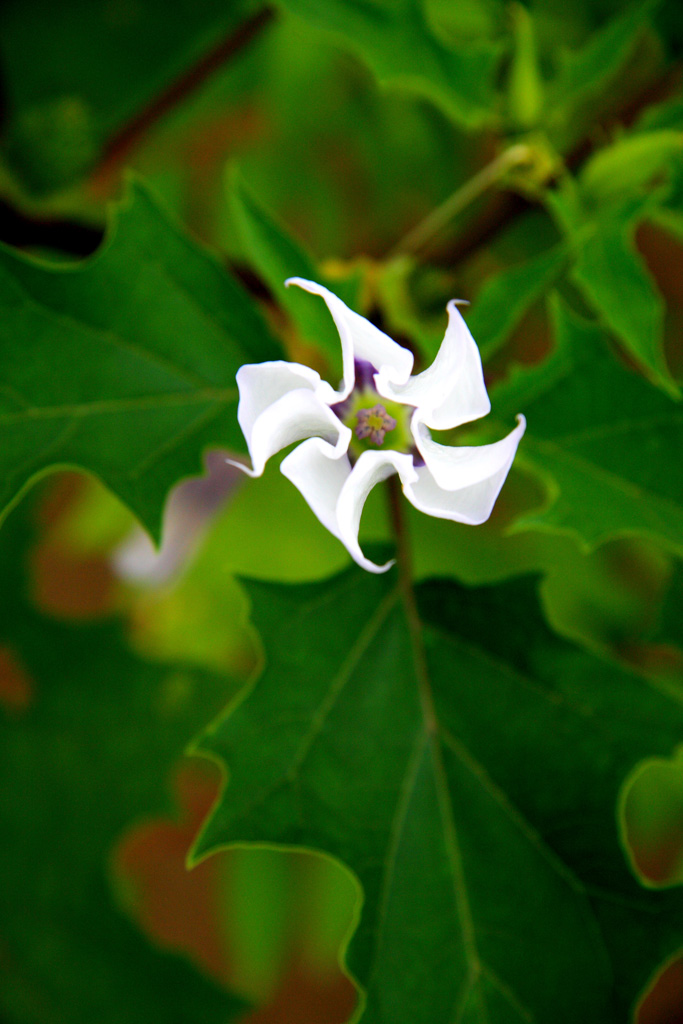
(423, 232)
(400, 530)
(405, 574)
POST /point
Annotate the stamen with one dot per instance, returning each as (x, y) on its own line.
(374, 424)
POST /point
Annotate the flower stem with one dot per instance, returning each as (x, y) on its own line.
(423, 232)
(400, 529)
(405, 575)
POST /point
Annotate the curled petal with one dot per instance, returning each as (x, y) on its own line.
(294, 416)
(456, 466)
(319, 471)
(451, 391)
(261, 384)
(370, 468)
(361, 340)
(475, 479)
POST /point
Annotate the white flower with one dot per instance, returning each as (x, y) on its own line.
(376, 424)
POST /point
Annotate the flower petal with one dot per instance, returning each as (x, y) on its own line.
(451, 391)
(456, 466)
(370, 468)
(261, 384)
(475, 477)
(361, 340)
(298, 414)
(319, 472)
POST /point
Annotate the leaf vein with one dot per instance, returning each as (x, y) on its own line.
(114, 405)
(107, 335)
(397, 824)
(664, 506)
(498, 795)
(507, 994)
(340, 679)
(204, 416)
(626, 426)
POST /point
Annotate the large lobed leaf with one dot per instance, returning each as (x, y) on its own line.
(605, 440)
(397, 41)
(85, 752)
(123, 365)
(614, 279)
(587, 73)
(609, 270)
(670, 627)
(471, 785)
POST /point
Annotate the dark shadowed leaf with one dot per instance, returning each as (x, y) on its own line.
(670, 630)
(589, 71)
(85, 753)
(472, 790)
(75, 72)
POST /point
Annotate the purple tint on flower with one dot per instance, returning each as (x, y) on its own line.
(365, 375)
(364, 381)
(342, 409)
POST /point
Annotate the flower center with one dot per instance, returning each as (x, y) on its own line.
(374, 424)
(371, 416)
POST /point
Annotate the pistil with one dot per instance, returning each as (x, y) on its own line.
(374, 424)
(371, 416)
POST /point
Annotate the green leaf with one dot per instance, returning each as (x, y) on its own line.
(396, 40)
(505, 298)
(589, 71)
(670, 629)
(278, 256)
(123, 365)
(606, 442)
(466, 768)
(662, 116)
(614, 279)
(525, 84)
(87, 754)
(629, 163)
(75, 74)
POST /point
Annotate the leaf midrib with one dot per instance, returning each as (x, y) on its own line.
(340, 679)
(116, 405)
(495, 791)
(431, 736)
(326, 705)
(71, 321)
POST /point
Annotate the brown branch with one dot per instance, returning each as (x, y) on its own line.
(121, 144)
(25, 230)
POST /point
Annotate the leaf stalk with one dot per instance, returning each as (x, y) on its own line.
(419, 236)
(405, 573)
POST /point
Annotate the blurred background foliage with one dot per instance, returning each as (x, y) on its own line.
(308, 137)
